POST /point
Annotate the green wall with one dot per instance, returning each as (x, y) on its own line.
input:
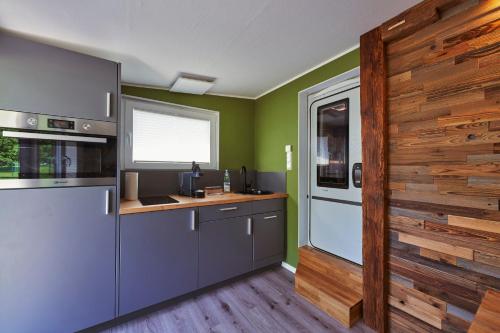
(236, 134)
(276, 125)
(254, 133)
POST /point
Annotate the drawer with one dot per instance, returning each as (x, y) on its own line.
(262, 206)
(209, 213)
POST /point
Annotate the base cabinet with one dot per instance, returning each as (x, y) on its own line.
(57, 259)
(170, 253)
(268, 238)
(225, 249)
(158, 258)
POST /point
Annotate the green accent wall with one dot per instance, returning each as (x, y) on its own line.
(276, 125)
(236, 133)
(254, 132)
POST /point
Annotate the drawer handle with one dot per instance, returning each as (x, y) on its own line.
(228, 209)
(270, 217)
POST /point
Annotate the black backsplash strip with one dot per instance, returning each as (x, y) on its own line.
(164, 182)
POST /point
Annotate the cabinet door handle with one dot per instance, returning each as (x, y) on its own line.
(193, 220)
(107, 203)
(249, 226)
(270, 217)
(228, 209)
(108, 104)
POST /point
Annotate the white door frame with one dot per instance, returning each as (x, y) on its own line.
(304, 153)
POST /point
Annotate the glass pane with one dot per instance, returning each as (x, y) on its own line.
(332, 159)
(33, 159)
(167, 138)
(9, 158)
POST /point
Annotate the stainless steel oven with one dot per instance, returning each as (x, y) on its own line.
(48, 151)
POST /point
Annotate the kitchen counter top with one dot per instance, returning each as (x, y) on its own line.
(133, 207)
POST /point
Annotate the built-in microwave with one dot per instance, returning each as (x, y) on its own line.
(49, 151)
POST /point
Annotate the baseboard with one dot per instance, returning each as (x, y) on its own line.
(288, 267)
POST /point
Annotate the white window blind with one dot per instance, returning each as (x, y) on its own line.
(158, 135)
(168, 138)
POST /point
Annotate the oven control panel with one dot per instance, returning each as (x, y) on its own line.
(60, 124)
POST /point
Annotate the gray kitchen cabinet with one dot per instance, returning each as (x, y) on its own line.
(158, 257)
(39, 78)
(225, 249)
(268, 238)
(57, 259)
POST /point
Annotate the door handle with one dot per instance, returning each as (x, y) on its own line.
(108, 104)
(193, 220)
(249, 226)
(357, 175)
(107, 209)
(270, 217)
(52, 137)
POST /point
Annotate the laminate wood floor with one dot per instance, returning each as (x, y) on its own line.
(264, 302)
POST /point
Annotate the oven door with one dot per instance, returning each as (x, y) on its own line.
(31, 159)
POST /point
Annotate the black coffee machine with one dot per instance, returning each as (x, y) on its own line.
(188, 182)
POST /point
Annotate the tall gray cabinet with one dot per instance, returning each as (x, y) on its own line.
(57, 259)
(57, 245)
(39, 78)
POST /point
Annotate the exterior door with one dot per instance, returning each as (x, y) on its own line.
(57, 259)
(335, 223)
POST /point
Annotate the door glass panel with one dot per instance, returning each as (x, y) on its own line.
(332, 160)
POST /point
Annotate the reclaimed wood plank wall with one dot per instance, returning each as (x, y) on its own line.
(443, 108)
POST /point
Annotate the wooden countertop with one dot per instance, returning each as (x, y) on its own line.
(488, 315)
(133, 207)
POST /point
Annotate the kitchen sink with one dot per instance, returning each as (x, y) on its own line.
(255, 191)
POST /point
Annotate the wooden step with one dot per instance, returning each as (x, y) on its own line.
(488, 315)
(332, 284)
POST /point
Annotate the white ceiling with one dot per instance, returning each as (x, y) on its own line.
(250, 46)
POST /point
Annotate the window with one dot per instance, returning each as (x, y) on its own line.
(161, 135)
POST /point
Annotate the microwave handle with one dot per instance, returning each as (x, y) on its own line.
(54, 137)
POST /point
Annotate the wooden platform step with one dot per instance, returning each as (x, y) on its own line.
(332, 284)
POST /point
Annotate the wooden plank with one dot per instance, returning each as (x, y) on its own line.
(469, 19)
(473, 223)
(400, 321)
(440, 209)
(373, 129)
(457, 200)
(458, 251)
(438, 256)
(488, 316)
(487, 258)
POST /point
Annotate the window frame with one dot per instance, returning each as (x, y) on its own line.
(129, 103)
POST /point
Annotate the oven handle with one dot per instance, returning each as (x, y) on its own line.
(56, 137)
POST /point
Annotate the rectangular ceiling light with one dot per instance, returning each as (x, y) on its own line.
(191, 85)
